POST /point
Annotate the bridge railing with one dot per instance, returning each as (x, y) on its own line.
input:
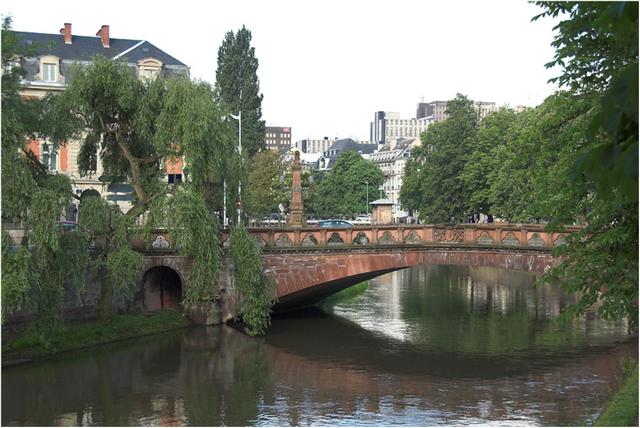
(494, 234)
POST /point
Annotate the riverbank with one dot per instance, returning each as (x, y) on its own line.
(622, 410)
(29, 346)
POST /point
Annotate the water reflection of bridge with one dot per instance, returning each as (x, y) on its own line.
(218, 376)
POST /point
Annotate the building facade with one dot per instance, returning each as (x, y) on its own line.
(437, 110)
(330, 156)
(277, 138)
(387, 126)
(392, 159)
(49, 71)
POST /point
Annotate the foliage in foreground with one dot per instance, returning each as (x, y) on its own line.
(622, 410)
(597, 49)
(195, 234)
(258, 291)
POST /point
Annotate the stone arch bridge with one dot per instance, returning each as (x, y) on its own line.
(309, 264)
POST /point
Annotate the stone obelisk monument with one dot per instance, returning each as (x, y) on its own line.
(296, 209)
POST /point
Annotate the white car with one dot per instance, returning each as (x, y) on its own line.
(362, 220)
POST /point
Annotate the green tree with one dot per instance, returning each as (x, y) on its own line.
(265, 184)
(433, 185)
(135, 127)
(238, 87)
(493, 133)
(33, 275)
(343, 191)
(597, 50)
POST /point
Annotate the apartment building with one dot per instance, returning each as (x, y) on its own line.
(278, 138)
(392, 159)
(437, 110)
(387, 126)
(48, 71)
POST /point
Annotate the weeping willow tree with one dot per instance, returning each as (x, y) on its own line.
(135, 127)
(34, 274)
(257, 289)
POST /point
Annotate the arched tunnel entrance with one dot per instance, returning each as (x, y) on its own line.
(162, 289)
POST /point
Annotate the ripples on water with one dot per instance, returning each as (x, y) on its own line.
(425, 346)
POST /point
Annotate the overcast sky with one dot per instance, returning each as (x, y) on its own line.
(327, 66)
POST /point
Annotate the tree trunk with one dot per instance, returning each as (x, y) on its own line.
(104, 304)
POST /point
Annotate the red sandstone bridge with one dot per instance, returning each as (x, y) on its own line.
(309, 264)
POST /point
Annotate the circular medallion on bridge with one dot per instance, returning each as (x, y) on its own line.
(361, 239)
(160, 243)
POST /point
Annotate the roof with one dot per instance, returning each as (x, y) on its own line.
(345, 144)
(382, 202)
(84, 48)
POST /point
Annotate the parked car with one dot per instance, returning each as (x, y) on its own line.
(362, 220)
(273, 219)
(334, 224)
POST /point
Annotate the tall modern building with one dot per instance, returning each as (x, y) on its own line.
(387, 126)
(277, 137)
(437, 110)
(314, 146)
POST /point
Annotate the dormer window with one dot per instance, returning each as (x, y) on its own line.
(149, 68)
(49, 72)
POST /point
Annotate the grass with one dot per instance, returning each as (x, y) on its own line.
(622, 410)
(346, 294)
(31, 345)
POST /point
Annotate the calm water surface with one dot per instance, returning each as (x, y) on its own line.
(424, 346)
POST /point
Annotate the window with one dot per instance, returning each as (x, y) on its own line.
(174, 178)
(49, 157)
(49, 72)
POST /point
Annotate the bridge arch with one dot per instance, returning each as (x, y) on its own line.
(305, 278)
(163, 289)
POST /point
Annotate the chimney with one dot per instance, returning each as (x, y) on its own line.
(66, 31)
(104, 34)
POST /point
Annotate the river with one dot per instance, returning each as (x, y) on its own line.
(424, 346)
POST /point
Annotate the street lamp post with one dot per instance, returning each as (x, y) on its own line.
(239, 205)
(367, 207)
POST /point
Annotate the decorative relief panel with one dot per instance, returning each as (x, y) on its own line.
(510, 239)
(448, 235)
(536, 241)
(559, 240)
(335, 239)
(309, 241)
(283, 241)
(412, 238)
(484, 239)
(361, 239)
(160, 243)
(386, 238)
